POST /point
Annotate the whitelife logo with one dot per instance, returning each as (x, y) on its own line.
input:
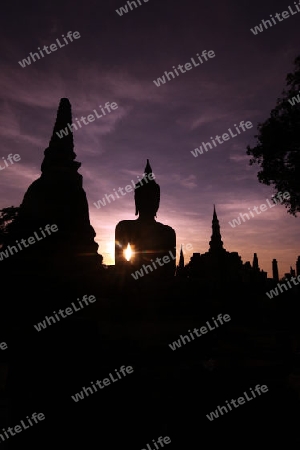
(68, 311)
(31, 240)
(187, 66)
(294, 100)
(90, 118)
(225, 138)
(124, 9)
(53, 48)
(159, 441)
(274, 292)
(10, 157)
(127, 188)
(201, 331)
(106, 381)
(166, 259)
(241, 401)
(263, 207)
(266, 23)
(36, 417)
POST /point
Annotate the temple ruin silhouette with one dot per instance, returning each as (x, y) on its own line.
(220, 266)
(57, 197)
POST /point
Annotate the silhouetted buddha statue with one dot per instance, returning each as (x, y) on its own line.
(148, 239)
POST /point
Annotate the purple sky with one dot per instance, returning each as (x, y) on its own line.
(116, 59)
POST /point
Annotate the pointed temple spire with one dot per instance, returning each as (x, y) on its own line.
(275, 270)
(60, 153)
(255, 262)
(181, 259)
(147, 195)
(57, 197)
(215, 243)
(180, 269)
(215, 214)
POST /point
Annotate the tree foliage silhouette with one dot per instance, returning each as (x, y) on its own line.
(7, 218)
(277, 150)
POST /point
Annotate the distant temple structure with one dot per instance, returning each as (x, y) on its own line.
(180, 269)
(148, 239)
(275, 270)
(57, 197)
(220, 266)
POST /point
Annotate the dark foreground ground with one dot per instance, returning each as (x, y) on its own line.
(170, 392)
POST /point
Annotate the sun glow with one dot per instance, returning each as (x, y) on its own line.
(128, 252)
(109, 254)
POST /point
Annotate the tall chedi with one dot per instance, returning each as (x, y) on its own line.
(216, 266)
(57, 197)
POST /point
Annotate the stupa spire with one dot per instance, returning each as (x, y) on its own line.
(60, 153)
(215, 214)
(255, 262)
(181, 259)
(216, 242)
